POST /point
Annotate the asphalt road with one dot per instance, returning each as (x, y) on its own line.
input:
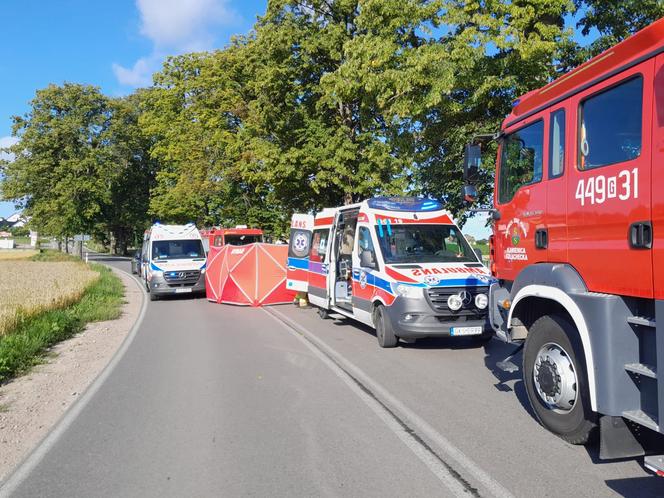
(215, 400)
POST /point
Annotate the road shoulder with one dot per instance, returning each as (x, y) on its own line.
(31, 405)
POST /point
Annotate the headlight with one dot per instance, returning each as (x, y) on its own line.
(202, 271)
(454, 302)
(481, 301)
(409, 291)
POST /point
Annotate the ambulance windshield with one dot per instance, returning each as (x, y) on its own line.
(177, 249)
(423, 244)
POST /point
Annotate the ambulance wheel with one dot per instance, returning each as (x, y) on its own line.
(554, 374)
(384, 331)
(323, 313)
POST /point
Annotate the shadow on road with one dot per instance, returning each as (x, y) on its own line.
(424, 343)
(638, 487)
(107, 258)
(180, 297)
(497, 351)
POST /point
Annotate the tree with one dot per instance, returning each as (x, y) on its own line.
(312, 136)
(127, 152)
(497, 51)
(58, 176)
(195, 112)
(81, 165)
(615, 20)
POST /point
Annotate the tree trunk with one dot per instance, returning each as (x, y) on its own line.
(112, 242)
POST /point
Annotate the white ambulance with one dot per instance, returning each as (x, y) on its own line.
(173, 260)
(399, 265)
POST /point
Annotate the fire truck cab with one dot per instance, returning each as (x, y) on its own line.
(399, 265)
(238, 236)
(578, 245)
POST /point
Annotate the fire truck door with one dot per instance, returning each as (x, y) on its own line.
(657, 187)
(297, 273)
(521, 196)
(608, 189)
(558, 157)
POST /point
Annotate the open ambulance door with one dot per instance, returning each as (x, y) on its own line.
(297, 275)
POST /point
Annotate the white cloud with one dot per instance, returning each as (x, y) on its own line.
(174, 26)
(138, 75)
(7, 142)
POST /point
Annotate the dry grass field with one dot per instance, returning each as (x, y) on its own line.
(12, 254)
(31, 287)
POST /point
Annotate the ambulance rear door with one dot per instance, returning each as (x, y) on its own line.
(297, 274)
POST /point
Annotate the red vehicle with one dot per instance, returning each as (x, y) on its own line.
(578, 245)
(238, 236)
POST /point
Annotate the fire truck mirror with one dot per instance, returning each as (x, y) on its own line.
(471, 163)
(469, 194)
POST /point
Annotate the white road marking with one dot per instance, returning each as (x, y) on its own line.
(386, 408)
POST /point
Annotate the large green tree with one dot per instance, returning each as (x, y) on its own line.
(314, 133)
(127, 153)
(194, 112)
(58, 175)
(80, 165)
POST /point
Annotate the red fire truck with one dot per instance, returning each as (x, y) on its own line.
(578, 246)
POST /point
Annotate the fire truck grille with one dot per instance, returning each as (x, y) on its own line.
(181, 278)
(437, 297)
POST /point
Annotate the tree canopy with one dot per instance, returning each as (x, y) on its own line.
(324, 102)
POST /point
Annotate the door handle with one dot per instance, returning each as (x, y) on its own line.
(640, 235)
(541, 238)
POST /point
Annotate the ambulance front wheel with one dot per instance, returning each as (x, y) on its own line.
(384, 332)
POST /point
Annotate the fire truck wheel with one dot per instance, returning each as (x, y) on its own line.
(556, 380)
(323, 313)
(384, 331)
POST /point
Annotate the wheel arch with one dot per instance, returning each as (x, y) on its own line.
(535, 300)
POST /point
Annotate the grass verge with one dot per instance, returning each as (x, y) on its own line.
(26, 345)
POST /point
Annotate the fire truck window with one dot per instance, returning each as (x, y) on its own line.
(217, 241)
(521, 160)
(610, 129)
(557, 144)
(242, 240)
(319, 245)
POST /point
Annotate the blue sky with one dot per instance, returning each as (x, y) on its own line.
(115, 45)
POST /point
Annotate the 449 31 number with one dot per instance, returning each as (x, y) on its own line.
(599, 189)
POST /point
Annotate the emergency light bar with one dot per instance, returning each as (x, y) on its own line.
(404, 204)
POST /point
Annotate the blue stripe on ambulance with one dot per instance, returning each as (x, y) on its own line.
(452, 282)
(300, 264)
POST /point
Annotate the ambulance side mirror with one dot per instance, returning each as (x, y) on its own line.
(472, 159)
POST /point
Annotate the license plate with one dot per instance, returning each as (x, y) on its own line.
(183, 290)
(466, 330)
